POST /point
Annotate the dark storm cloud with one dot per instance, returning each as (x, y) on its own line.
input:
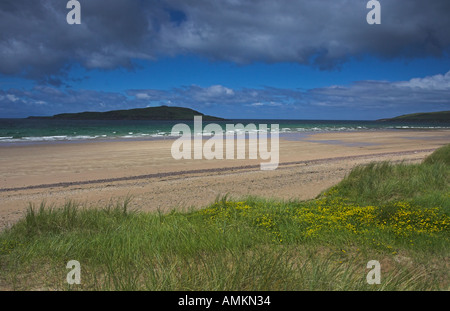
(36, 41)
(324, 32)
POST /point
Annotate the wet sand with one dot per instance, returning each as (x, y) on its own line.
(96, 173)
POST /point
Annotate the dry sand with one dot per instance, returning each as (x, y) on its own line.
(96, 173)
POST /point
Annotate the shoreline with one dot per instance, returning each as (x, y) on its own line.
(98, 173)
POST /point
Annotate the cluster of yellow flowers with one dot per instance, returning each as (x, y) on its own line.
(331, 213)
(401, 218)
(227, 211)
(224, 210)
(406, 220)
(6, 246)
(335, 214)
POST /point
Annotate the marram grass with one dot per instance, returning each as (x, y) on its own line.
(400, 217)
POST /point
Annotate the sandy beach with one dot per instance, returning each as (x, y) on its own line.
(96, 173)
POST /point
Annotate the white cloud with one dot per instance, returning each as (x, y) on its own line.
(12, 97)
(436, 82)
(427, 93)
(218, 90)
(142, 96)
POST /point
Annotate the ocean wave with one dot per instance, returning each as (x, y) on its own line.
(417, 127)
(285, 130)
(47, 138)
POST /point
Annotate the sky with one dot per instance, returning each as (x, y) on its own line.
(237, 59)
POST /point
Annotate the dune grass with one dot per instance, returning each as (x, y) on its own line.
(396, 214)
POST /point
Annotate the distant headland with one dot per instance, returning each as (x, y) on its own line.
(149, 113)
(439, 116)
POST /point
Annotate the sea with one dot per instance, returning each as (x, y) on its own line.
(32, 131)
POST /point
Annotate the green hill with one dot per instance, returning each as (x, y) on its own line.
(149, 113)
(439, 116)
